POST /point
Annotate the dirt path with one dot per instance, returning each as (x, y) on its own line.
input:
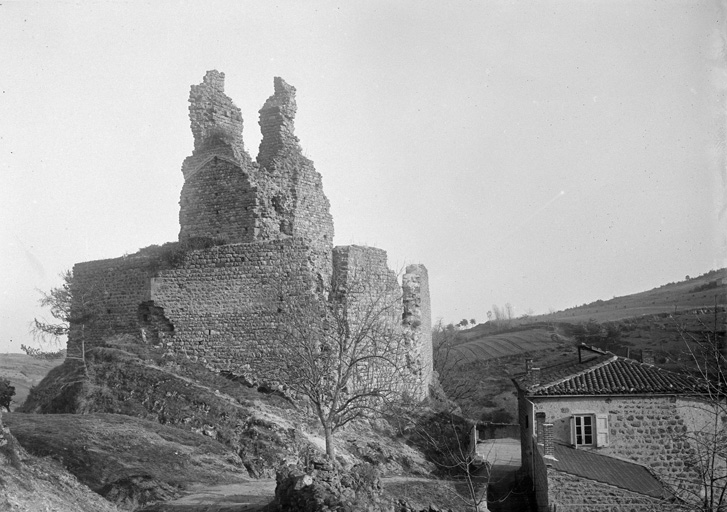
(247, 496)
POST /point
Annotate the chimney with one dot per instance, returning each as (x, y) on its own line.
(548, 440)
(647, 356)
(528, 365)
(539, 422)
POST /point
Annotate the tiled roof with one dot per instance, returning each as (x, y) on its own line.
(608, 470)
(608, 374)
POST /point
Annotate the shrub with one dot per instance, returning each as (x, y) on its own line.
(6, 393)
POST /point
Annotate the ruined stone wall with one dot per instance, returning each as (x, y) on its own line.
(272, 231)
(215, 120)
(303, 209)
(418, 318)
(226, 303)
(218, 201)
(106, 299)
(237, 200)
(648, 430)
(369, 285)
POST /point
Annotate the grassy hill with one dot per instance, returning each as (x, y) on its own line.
(493, 346)
(487, 356)
(694, 293)
(130, 461)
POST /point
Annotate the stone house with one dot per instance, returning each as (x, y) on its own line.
(611, 433)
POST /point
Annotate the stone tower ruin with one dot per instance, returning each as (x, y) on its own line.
(254, 234)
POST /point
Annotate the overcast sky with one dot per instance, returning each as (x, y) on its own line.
(544, 154)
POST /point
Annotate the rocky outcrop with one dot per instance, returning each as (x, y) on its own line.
(30, 484)
(320, 485)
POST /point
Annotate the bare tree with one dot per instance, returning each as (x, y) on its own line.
(347, 355)
(509, 312)
(444, 437)
(447, 360)
(706, 455)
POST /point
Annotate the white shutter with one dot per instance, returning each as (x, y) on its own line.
(573, 430)
(601, 430)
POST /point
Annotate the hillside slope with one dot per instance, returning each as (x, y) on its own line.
(33, 484)
(694, 293)
(127, 460)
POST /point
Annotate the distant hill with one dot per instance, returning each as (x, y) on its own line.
(486, 356)
(693, 293)
(24, 372)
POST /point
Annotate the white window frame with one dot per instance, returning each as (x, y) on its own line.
(598, 424)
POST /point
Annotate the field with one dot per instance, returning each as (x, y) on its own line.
(483, 347)
(485, 358)
(692, 294)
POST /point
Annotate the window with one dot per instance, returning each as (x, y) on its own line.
(583, 430)
(589, 430)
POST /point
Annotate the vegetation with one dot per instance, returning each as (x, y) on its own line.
(6, 393)
(129, 461)
(707, 352)
(58, 299)
(345, 355)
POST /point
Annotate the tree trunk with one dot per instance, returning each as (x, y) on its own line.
(330, 449)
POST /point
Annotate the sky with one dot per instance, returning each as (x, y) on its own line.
(543, 153)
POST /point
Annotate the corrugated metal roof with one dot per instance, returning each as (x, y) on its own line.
(601, 468)
(608, 374)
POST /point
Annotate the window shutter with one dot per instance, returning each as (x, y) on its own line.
(573, 430)
(601, 430)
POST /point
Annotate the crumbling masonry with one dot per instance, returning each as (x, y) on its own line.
(254, 236)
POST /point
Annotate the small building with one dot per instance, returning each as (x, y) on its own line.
(611, 433)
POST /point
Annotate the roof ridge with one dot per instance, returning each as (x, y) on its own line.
(577, 374)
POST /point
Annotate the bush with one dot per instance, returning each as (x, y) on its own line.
(6, 393)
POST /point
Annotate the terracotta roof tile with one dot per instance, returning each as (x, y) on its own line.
(608, 374)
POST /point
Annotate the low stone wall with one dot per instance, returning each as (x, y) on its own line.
(498, 431)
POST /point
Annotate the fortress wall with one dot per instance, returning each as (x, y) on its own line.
(106, 298)
(218, 201)
(227, 302)
(369, 284)
(418, 317)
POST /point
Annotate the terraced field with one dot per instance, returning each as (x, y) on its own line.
(494, 346)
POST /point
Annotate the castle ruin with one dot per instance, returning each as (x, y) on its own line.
(254, 235)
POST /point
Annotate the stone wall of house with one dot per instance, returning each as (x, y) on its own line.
(648, 430)
(559, 491)
(539, 476)
(571, 493)
(526, 419)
